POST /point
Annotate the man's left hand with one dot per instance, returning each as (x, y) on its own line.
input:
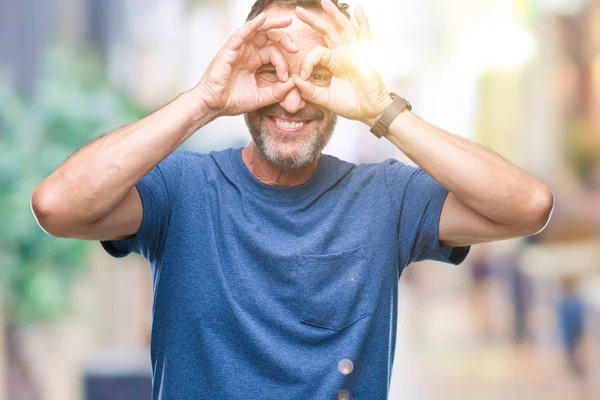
(341, 77)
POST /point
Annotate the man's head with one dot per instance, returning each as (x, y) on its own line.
(292, 133)
(261, 5)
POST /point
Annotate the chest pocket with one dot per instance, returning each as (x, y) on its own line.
(333, 290)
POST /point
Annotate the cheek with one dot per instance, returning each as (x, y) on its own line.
(327, 117)
(253, 118)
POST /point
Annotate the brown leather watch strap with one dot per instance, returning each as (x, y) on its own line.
(398, 105)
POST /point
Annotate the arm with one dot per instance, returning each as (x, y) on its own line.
(92, 194)
(489, 198)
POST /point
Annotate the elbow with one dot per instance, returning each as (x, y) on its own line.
(540, 210)
(45, 207)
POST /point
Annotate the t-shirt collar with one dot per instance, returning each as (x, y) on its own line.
(278, 193)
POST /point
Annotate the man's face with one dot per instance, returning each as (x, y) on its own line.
(292, 133)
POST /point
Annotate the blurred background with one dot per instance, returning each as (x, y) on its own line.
(519, 320)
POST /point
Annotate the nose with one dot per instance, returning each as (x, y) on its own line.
(293, 101)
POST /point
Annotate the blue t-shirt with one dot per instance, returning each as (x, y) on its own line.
(265, 292)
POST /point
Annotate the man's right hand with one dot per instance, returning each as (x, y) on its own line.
(229, 86)
(92, 195)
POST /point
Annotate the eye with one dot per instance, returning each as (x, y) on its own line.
(269, 75)
(320, 78)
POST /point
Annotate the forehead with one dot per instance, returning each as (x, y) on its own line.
(303, 35)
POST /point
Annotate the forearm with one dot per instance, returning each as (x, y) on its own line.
(480, 179)
(97, 177)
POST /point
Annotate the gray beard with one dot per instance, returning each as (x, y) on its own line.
(279, 152)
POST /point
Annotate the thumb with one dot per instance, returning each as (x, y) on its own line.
(312, 93)
(274, 93)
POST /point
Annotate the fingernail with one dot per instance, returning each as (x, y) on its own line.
(286, 76)
(294, 47)
(303, 75)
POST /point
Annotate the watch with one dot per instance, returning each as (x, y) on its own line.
(398, 105)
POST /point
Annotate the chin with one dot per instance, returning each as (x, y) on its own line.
(290, 149)
(288, 155)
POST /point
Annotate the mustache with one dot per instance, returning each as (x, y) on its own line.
(310, 112)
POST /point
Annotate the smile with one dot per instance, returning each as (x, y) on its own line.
(288, 126)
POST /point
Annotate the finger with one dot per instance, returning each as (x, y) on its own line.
(341, 21)
(260, 40)
(272, 55)
(278, 36)
(274, 93)
(364, 29)
(254, 26)
(318, 55)
(312, 93)
(275, 23)
(236, 40)
(260, 37)
(319, 24)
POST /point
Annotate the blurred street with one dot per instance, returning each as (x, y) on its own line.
(444, 353)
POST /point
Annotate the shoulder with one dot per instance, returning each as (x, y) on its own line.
(386, 167)
(192, 159)
(201, 167)
(373, 175)
(397, 172)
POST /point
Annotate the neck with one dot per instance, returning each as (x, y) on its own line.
(272, 174)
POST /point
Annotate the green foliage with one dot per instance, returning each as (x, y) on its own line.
(73, 105)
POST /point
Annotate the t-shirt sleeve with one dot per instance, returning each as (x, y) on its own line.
(157, 191)
(417, 200)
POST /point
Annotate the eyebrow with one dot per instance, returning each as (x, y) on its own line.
(321, 69)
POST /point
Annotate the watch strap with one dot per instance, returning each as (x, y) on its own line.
(398, 105)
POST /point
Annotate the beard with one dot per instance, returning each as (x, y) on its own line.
(291, 150)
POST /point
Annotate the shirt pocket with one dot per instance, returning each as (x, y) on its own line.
(333, 289)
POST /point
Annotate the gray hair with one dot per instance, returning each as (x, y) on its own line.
(260, 5)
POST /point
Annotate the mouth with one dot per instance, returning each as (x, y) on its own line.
(288, 126)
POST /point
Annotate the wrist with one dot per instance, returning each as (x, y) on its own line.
(381, 109)
(395, 106)
(199, 112)
(400, 125)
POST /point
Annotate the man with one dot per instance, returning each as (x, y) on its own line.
(276, 267)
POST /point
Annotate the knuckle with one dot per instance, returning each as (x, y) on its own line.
(226, 55)
(275, 95)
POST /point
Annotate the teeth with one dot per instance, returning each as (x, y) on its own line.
(288, 125)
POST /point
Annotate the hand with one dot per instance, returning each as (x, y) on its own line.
(355, 89)
(229, 86)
